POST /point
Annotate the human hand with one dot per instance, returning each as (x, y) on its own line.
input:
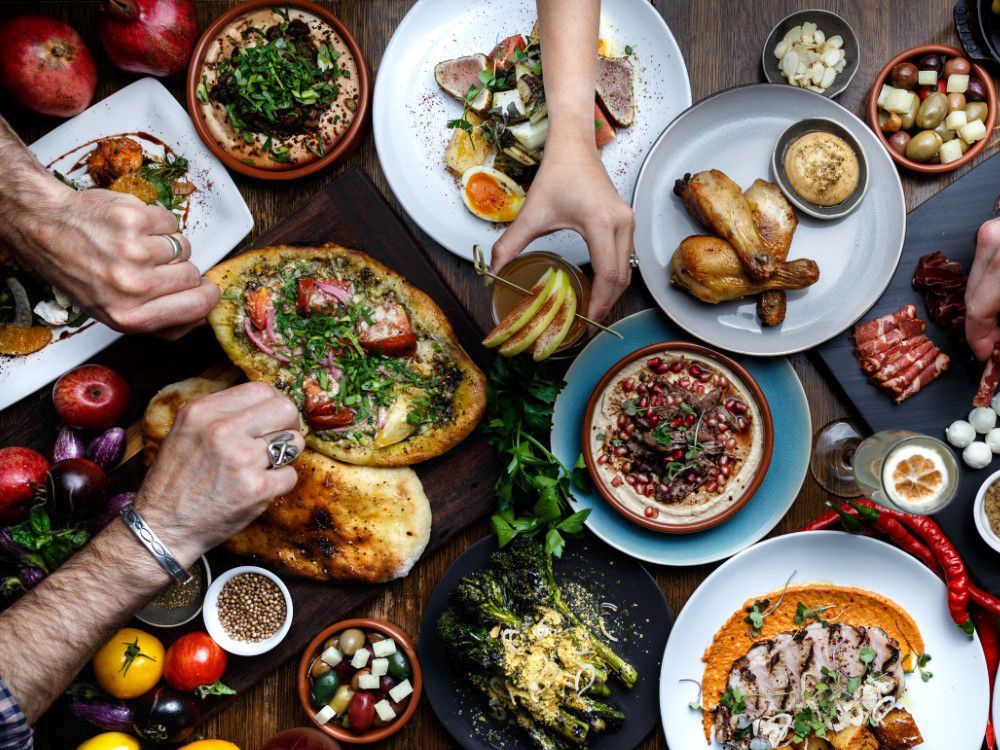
(108, 252)
(572, 190)
(212, 475)
(982, 293)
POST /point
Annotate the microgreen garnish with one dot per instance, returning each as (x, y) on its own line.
(804, 614)
(755, 616)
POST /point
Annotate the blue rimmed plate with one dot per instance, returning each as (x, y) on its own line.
(792, 441)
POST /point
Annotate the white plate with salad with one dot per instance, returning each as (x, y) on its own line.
(411, 111)
(178, 172)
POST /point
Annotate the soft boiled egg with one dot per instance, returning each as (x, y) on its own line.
(491, 195)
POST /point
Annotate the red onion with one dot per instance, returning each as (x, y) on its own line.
(106, 449)
(68, 445)
(333, 290)
(259, 343)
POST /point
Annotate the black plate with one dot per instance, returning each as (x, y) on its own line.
(610, 577)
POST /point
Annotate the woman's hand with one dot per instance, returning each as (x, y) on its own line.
(212, 475)
(982, 294)
(108, 252)
(572, 190)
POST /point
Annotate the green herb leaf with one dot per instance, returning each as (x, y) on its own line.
(216, 688)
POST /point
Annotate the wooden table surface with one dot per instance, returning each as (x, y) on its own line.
(721, 42)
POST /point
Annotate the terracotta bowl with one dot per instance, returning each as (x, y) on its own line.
(751, 385)
(315, 647)
(341, 149)
(913, 55)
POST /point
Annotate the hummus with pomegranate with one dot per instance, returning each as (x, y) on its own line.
(279, 87)
(677, 437)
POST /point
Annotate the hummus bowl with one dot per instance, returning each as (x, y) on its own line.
(278, 133)
(677, 437)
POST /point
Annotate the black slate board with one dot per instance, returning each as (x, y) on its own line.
(947, 222)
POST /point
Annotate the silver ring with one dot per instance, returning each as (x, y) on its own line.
(176, 246)
(633, 260)
(281, 449)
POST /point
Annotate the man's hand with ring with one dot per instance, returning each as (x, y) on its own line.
(122, 261)
(215, 471)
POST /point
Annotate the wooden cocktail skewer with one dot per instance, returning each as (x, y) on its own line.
(479, 263)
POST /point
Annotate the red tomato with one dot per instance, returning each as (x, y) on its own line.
(361, 712)
(319, 295)
(502, 55)
(193, 660)
(258, 305)
(389, 332)
(321, 412)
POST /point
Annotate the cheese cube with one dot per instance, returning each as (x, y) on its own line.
(958, 84)
(883, 95)
(401, 690)
(927, 78)
(899, 101)
(384, 648)
(380, 667)
(384, 710)
(368, 682)
(324, 715)
(951, 151)
(360, 659)
(956, 119)
(973, 131)
(332, 656)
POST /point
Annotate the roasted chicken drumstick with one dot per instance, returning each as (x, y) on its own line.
(710, 269)
(718, 203)
(775, 221)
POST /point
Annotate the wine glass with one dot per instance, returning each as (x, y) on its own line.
(832, 459)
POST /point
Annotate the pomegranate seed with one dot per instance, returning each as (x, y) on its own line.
(602, 459)
(731, 443)
(651, 511)
(661, 369)
(677, 455)
(689, 420)
(705, 376)
(723, 380)
(676, 422)
(712, 422)
(699, 388)
(621, 450)
(639, 487)
(630, 478)
(738, 407)
(725, 471)
(642, 477)
(626, 466)
(741, 423)
(691, 477)
(684, 383)
(643, 402)
(647, 491)
(695, 370)
(662, 488)
(630, 430)
(711, 486)
(670, 400)
(616, 481)
(628, 385)
(653, 420)
(676, 366)
(642, 388)
(723, 460)
(720, 478)
(656, 388)
(622, 420)
(654, 361)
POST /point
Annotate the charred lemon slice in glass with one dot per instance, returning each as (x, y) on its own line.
(917, 478)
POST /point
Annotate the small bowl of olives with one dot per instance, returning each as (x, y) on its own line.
(932, 108)
(359, 680)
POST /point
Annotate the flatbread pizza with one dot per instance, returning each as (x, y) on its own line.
(372, 362)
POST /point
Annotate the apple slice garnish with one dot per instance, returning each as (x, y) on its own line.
(522, 312)
(541, 320)
(553, 337)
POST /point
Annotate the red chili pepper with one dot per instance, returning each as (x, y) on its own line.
(956, 577)
(987, 601)
(826, 521)
(986, 628)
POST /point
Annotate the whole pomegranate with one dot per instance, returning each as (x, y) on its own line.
(149, 36)
(21, 470)
(45, 66)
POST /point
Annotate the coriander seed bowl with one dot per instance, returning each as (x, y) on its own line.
(224, 604)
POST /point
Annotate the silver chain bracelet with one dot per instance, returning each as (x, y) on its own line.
(138, 526)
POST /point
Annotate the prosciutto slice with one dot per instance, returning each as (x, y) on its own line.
(990, 379)
(928, 374)
(905, 360)
(879, 360)
(872, 329)
(909, 374)
(942, 283)
(905, 330)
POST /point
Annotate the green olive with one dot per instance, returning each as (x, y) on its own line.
(399, 666)
(977, 111)
(350, 641)
(910, 116)
(341, 699)
(319, 668)
(325, 688)
(923, 146)
(944, 132)
(932, 110)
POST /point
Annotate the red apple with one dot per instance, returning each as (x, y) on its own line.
(149, 36)
(91, 397)
(21, 469)
(45, 66)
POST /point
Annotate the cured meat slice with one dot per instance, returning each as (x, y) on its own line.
(871, 329)
(879, 360)
(942, 283)
(910, 372)
(899, 364)
(990, 379)
(927, 375)
(905, 330)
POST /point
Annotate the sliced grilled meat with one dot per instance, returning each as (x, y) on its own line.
(614, 89)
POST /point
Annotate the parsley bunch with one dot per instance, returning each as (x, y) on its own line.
(533, 494)
(162, 175)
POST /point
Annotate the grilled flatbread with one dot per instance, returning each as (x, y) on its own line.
(371, 361)
(163, 407)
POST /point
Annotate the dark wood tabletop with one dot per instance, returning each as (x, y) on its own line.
(721, 41)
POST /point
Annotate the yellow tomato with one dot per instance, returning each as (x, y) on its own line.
(110, 741)
(130, 664)
(210, 745)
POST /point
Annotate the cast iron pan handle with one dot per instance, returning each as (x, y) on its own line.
(969, 43)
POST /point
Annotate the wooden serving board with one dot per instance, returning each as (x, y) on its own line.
(459, 484)
(947, 222)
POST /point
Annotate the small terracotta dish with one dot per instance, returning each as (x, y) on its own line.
(625, 498)
(342, 147)
(914, 55)
(312, 653)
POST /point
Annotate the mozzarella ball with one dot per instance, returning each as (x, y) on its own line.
(960, 433)
(993, 439)
(982, 419)
(977, 455)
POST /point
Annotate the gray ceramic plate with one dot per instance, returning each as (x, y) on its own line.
(735, 131)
